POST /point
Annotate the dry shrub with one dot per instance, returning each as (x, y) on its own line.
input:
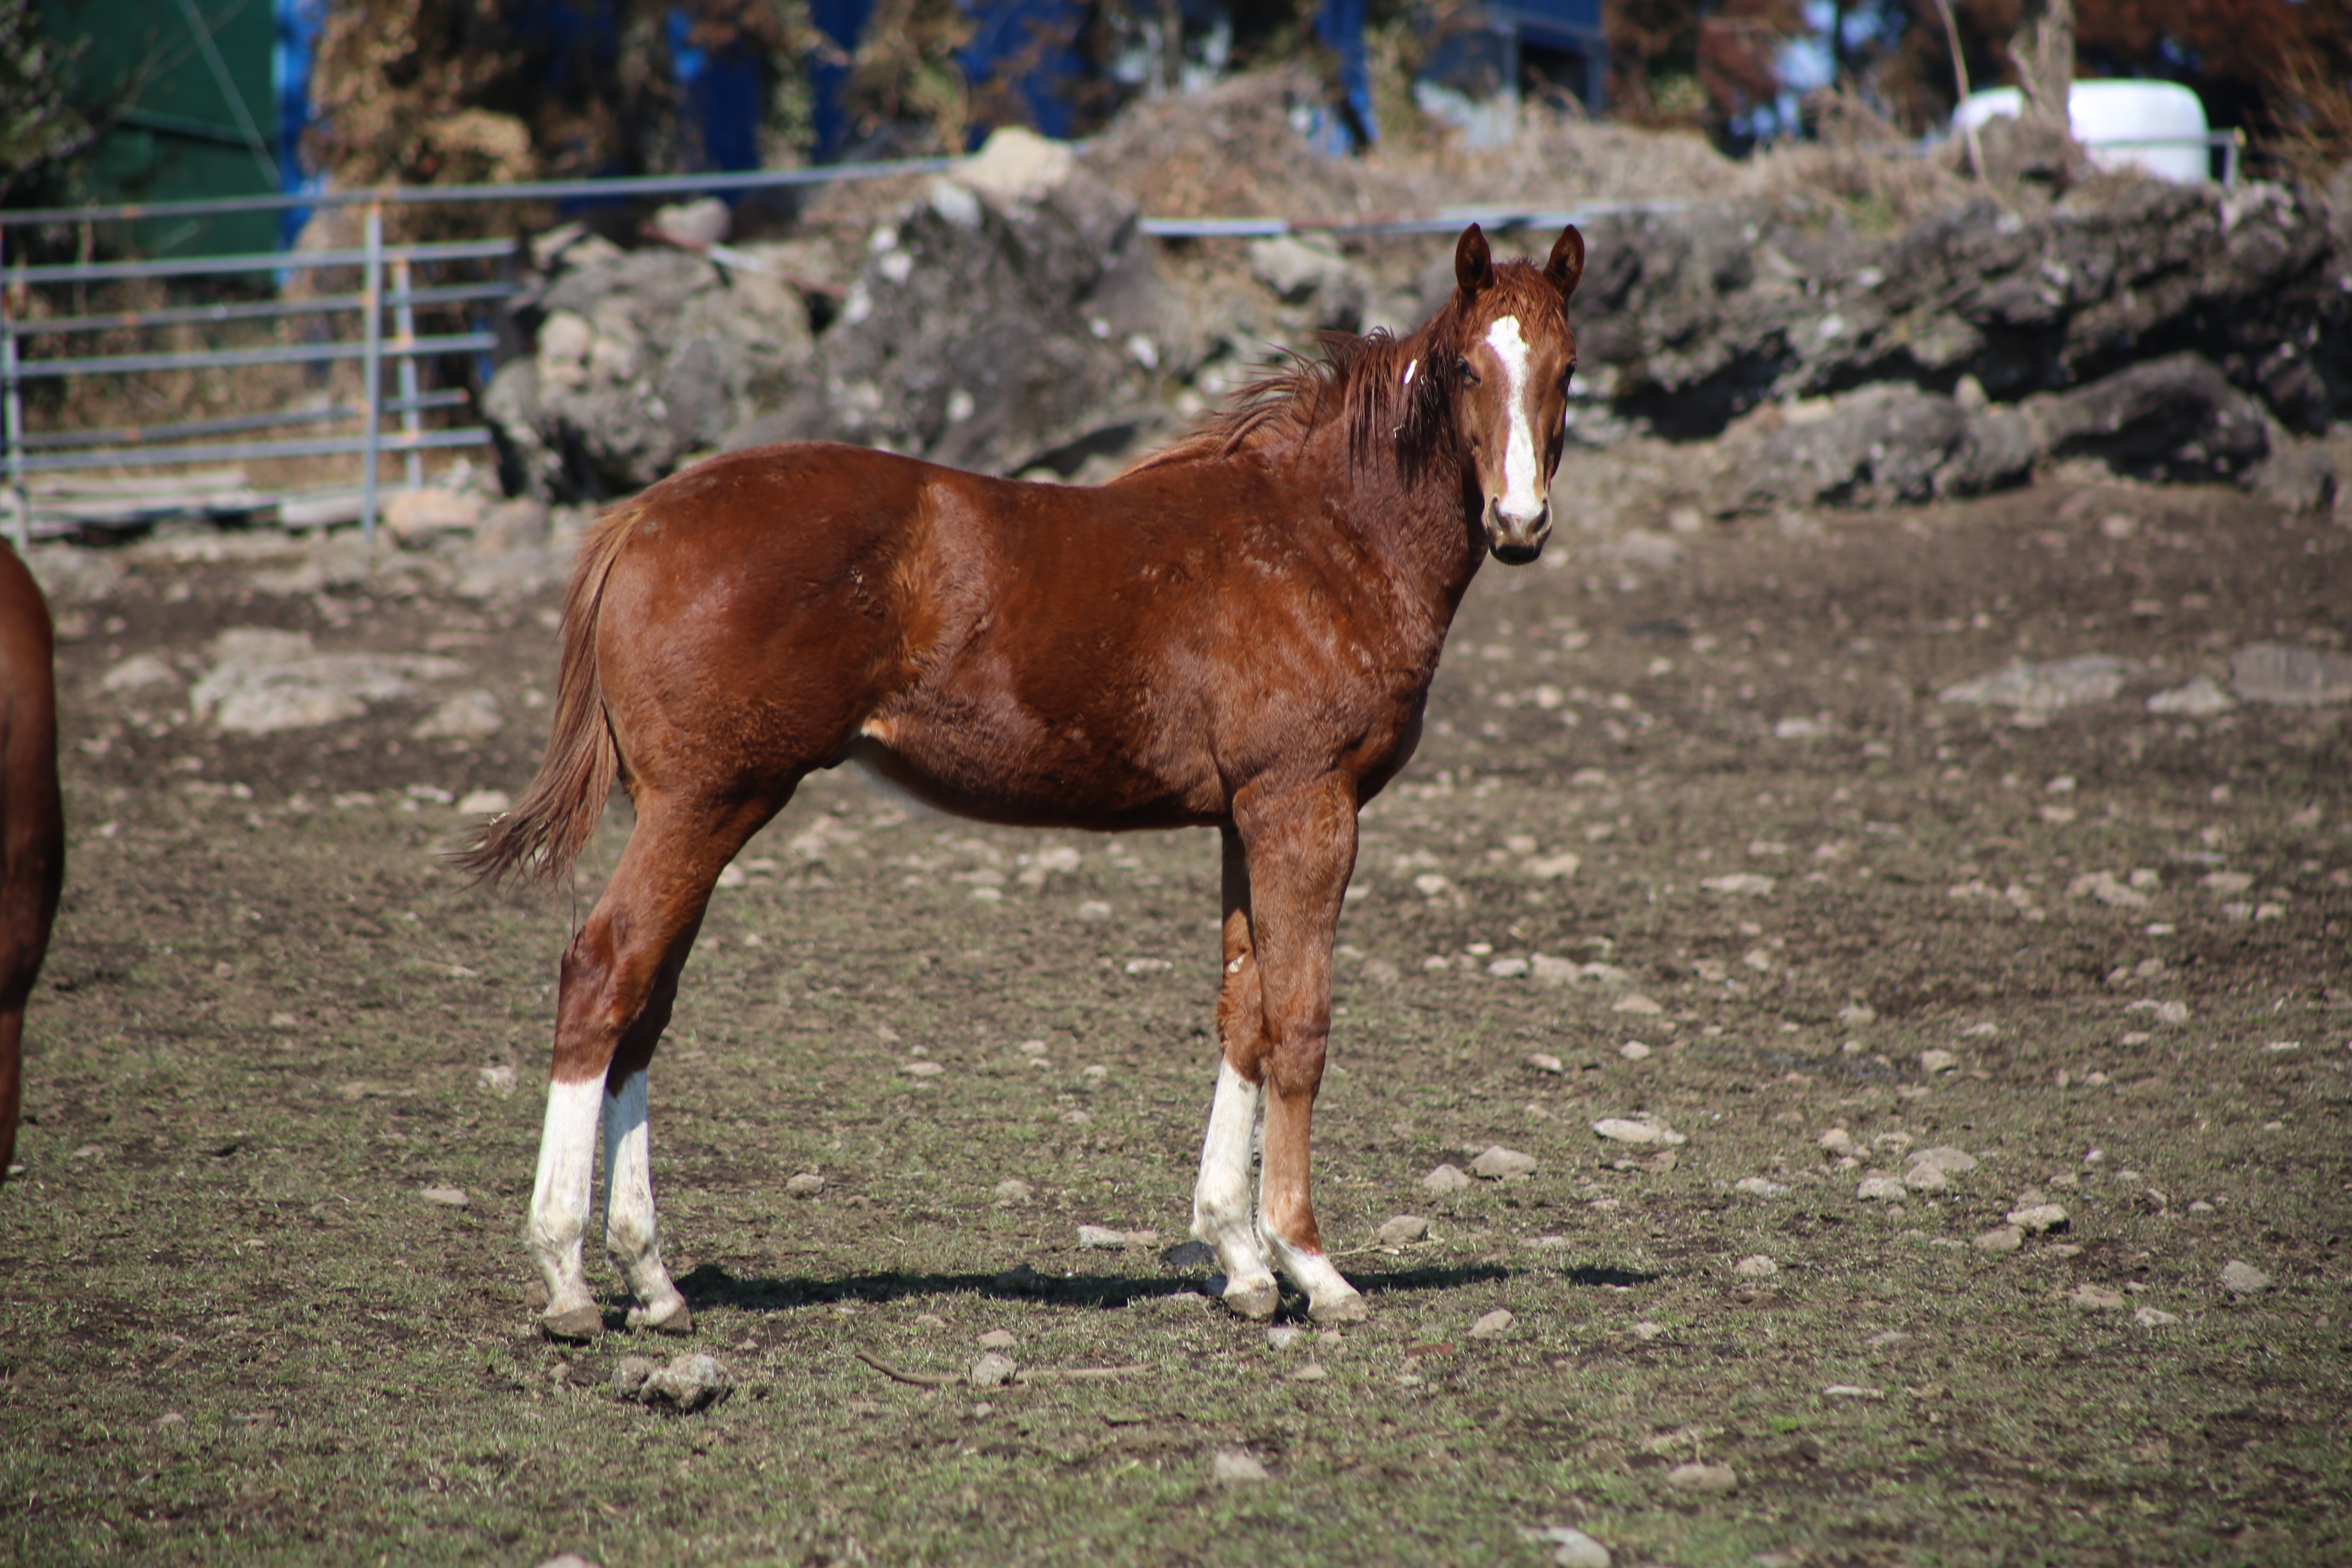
(1863, 164)
(2313, 112)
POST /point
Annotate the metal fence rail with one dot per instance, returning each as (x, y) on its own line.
(376, 344)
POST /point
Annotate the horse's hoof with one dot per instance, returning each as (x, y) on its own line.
(1253, 1298)
(672, 1318)
(1346, 1309)
(577, 1324)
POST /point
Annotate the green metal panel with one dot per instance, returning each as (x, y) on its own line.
(176, 134)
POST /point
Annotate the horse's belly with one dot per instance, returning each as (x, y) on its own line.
(1034, 781)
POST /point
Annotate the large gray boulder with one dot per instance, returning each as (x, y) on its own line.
(1014, 318)
(641, 358)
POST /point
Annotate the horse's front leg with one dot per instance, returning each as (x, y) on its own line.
(1221, 1199)
(1301, 848)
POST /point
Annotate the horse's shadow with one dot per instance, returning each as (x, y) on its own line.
(712, 1285)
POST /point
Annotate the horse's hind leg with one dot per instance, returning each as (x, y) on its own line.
(619, 978)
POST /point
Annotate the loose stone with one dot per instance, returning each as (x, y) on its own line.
(447, 1197)
(1573, 1548)
(1446, 1179)
(1403, 1229)
(2000, 1238)
(1103, 1237)
(1756, 1266)
(1634, 1051)
(1234, 1468)
(2035, 1218)
(1879, 1189)
(992, 1370)
(2243, 1279)
(2097, 1298)
(1950, 1161)
(1759, 1186)
(1494, 1325)
(998, 1340)
(1699, 1478)
(1501, 1165)
(1923, 1178)
(806, 1184)
(1544, 1062)
(2153, 1318)
(1013, 1190)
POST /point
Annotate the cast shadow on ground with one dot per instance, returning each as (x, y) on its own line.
(711, 1285)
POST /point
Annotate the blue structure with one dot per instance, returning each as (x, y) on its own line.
(1493, 55)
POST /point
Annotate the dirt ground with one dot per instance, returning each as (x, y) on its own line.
(235, 1327)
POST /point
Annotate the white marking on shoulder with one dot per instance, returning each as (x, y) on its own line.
(1520, 501)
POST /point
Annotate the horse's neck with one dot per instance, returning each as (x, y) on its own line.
(1414, 522)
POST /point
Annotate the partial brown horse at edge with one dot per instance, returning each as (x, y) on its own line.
(1238, 633)
(32, 820)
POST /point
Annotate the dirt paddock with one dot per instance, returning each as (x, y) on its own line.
(1692, 847)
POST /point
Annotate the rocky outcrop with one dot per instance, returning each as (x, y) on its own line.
(1690, 319)
(1011, 319)
(641, 357)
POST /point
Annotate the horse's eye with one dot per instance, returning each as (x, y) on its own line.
(1462, 368)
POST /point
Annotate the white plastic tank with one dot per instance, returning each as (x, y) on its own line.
(2157, 126)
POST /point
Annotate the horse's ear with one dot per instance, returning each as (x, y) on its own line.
(1566, 267)
(1473, 264)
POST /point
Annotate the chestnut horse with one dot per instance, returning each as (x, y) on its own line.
(1239, 632)
(32, 822)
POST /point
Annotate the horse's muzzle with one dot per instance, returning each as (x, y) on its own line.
(1515, 541)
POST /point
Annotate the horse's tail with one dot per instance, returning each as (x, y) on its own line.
(540, 838)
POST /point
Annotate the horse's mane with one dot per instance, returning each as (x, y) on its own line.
(1359, 381)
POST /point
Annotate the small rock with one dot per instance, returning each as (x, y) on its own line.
(1923, 1178)
(1501, 1165)
(2096, 1298)
(485, 803)
(1852, 1391)
(1635, 1001)
(2197, 700)
(992, 1370)
(1947, 1159)
(1756, 1266)
(1446, 1179)
(1544, 1062)
(1507, 968)
(2243, 1279)
(1935, 1062)
(1634, 1051)
(1094, 910)
(998, 1340)
(1702, 1478)
(448, 1197)
(1837, 1141)
(2035, 1218)
(692, 1381)
(1645, 1130)
(1234, 1468)
(1760, 1187)
(919, 1068)
(1573, 1548)
(1749, 884)
(568, 1560)
(1098, 1236)
(2292, 676)
(1013, 1190)
(1879, 1189)
(629, 1377)
(1311, 1372)
(1553, 971)
(2000, 1238)
(1190, 1255)
(2153, 1318)
(1403, 1229)
(1282, 1336)
(498, 1079)
(1646, 1329)
(1494, 1325)
(806, 1184)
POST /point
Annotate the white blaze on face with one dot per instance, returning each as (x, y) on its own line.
(1522, 499)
